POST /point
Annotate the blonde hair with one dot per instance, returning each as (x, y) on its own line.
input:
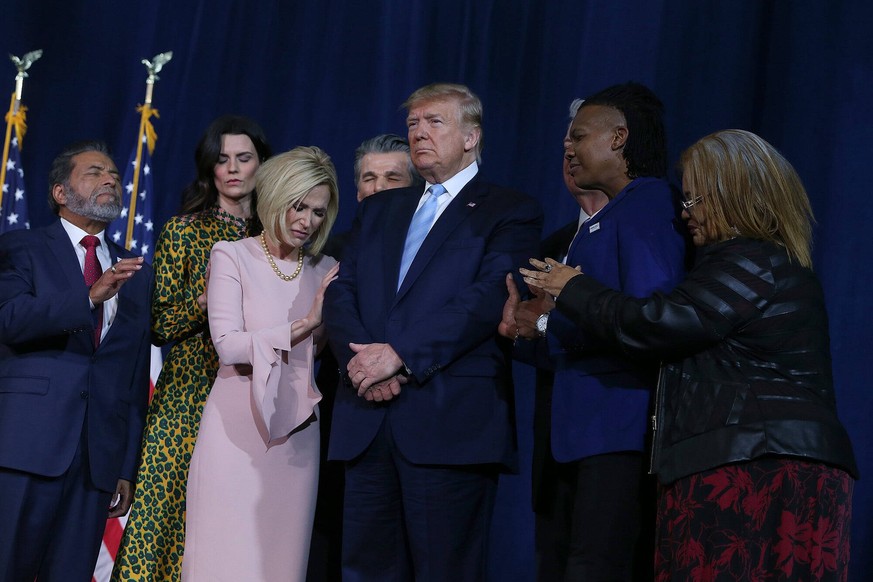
(283, 182)
(749, 189)
(469, 105)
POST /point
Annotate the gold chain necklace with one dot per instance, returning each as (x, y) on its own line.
(273, 264)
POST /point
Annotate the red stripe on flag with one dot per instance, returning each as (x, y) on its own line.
(112, 536)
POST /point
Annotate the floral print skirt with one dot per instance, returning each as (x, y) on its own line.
(774, 518)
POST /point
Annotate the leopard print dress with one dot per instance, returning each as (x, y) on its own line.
(154, 538)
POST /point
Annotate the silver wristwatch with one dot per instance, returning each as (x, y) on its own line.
(542, 324)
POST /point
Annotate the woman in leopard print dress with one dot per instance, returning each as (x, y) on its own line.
(220, 205)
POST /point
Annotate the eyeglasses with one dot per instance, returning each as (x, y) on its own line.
(689, 204)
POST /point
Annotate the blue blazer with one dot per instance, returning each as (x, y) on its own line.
(457, 408)
(52, 379)
(600, 401)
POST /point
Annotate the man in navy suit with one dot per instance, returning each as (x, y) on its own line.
(548, 492)
(425, 422)
(600, 403)
(74, 358)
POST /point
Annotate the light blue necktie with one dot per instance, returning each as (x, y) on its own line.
(419, 227)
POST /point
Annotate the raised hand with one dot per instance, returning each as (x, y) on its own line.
(113, 278)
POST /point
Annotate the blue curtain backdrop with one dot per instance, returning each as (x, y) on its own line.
(332, 73)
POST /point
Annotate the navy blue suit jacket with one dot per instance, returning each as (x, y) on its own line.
(600, 401)
(52, 379)
(457, 408)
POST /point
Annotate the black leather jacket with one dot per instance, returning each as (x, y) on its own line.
(746, 359)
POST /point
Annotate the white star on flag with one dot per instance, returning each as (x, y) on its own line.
(143, 235)
(13, 207)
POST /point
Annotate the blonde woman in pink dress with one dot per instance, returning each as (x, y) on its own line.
(254, 471)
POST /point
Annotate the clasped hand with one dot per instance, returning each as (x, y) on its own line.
(520, 317)
(550, 275)
(374, 371)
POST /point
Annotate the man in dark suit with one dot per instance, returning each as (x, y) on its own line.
(548, 492)
(426, 422)
(600, 403)
(74, 359)
(381, 163)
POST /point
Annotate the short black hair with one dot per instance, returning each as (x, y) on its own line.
(646, 148)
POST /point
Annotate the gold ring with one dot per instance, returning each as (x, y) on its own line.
(113, 269)
(547, 268)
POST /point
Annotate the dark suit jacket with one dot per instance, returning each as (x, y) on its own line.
(52, 380)
(457, 408)
(555, 246)
(600, 401)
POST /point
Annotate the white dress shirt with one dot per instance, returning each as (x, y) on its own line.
(453, 185)
(110, 306)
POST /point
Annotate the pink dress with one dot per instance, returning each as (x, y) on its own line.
(254, 470)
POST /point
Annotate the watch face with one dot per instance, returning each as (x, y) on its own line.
(542, 322)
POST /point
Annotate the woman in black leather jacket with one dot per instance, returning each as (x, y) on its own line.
(756, 469)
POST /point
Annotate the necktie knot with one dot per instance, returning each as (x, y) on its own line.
(437, 190)
(90, 242)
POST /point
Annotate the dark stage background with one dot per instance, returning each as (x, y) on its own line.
(332, 73)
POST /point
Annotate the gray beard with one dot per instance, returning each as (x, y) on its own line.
(89, 208)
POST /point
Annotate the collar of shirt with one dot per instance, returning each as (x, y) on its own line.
(75, 233)
(453, 186)
(583, 217)
(110, 307)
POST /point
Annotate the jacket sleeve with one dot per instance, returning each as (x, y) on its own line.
(180, 277)
(342, 317)
(722, 293)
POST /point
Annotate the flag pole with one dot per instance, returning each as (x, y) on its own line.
(145, 129)
(16, 114)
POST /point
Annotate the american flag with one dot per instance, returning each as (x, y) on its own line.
(13, 214)
(142, 242)
(142, 238)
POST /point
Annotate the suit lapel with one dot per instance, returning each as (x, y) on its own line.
(455, 213)
(399, 213)
(592, 225)
(60, 248)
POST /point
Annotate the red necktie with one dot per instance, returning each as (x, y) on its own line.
(92, 271)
